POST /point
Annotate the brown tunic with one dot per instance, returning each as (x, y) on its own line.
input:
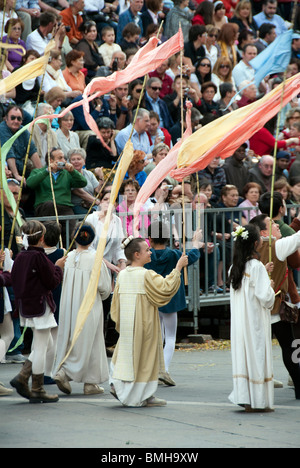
(279, 273)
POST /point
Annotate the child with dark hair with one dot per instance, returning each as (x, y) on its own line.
(251, 300)
(138, 357)
(163, 260)
(131, 34)
(87, 362)
(33, 278)
(51, 240)
(284, 252)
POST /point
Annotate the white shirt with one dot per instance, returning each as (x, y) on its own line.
(37, 42)
(7, 17)
(283, 248)
(94, 5)
(242, 72)
(49, 82)
(212, 55)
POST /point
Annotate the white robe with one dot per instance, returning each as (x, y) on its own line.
(87, 362)
(113, 251)
(138, 356)
(251, 341)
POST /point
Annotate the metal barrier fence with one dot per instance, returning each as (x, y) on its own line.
(203, 276)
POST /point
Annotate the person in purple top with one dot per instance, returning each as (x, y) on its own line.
(14, 28)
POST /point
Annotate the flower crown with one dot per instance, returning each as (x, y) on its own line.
(240, 232)
(25, 238)
(126, 242)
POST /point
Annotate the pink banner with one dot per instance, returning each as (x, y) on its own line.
(160, 172)
(148, 58)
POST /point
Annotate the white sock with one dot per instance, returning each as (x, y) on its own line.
(2, 349)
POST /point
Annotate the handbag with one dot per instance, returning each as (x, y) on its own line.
(288, 312)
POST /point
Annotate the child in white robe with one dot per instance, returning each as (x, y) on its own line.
(87, 361)
(251, 301)
(138, 357)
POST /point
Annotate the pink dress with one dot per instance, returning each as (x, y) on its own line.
(127, 221)
(249, 214)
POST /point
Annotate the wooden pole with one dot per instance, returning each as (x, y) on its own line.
(112, 170)
(4, 52)
(51, 180)
(198, 204)
(25, 165)
(2, 208)
(182, 183)
(276, 146)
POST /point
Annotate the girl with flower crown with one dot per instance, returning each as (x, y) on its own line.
(251, 301)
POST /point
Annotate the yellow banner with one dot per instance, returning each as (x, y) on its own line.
(90, 295)
(26, 72)
(16, 47)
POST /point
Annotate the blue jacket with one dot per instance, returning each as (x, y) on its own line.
(79, 118)
(140, 177)
(163, 262)
(19, 146)
(164, 112)
(125, 18)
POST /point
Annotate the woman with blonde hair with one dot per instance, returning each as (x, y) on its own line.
(55, 96)
(222, 73)
(226, 41)
(210, 48)
(292, 116)
(243, 17)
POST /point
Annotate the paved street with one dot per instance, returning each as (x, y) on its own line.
(198, 413)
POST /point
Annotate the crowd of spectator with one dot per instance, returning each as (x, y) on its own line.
(94, 38)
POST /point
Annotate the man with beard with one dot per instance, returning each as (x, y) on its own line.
(268, 15)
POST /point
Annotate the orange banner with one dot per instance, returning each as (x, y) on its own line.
(224, 135)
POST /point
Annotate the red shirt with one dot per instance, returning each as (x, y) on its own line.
(263, 142)
(167, 135)
(68, 20)
(198, 19)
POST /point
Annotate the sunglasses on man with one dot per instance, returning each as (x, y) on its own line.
(16, 117)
